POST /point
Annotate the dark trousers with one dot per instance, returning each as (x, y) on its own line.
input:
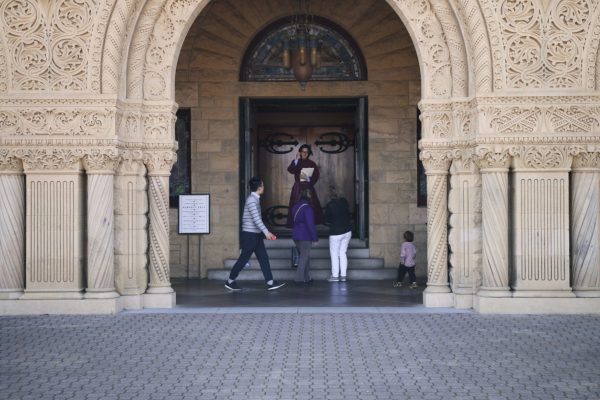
(252, 243)
(303, 271)
(402, 270)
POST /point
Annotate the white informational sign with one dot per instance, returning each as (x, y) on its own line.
(194, 213)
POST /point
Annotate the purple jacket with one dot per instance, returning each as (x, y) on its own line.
(303, 217)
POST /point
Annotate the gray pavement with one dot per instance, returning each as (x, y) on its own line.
(206, 355)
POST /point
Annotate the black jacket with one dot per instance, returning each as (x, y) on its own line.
(337, 214)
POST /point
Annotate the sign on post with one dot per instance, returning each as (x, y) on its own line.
(194, 213)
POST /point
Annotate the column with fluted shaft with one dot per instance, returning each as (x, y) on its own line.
(159, 165)
(585, 224)
(100, 168)
(436, 163)
(12, 227)
(494, 166)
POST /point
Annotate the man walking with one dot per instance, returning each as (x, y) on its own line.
(251, 239)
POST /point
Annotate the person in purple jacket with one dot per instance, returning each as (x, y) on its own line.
(304, 233)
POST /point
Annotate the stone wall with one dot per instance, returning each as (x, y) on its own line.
(207, 81)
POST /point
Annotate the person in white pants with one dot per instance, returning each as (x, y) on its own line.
(337, 214)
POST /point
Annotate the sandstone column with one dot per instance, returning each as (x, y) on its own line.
(585, 226)
(12, 227)
(131, 222)
(464, 236)
(100, 167)
(437, 293)
(494, 165)
(54, 223)
(159, 165)
(541, 228)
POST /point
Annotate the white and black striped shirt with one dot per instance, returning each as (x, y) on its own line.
(252, 219)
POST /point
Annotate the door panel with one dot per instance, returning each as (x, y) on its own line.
(333, 152)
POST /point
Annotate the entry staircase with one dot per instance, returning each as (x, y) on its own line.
(360, 265)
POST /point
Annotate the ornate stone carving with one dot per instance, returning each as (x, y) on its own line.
(60, 159)
(542, 47)
(586, 160)
(493, 158)
(57, 121)
(49, 43)
(159, 163)
(158, 192)
(541, 157)
(101, 161)
(436, 161)
(9, 162)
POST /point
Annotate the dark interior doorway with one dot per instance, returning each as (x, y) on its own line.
(272, 130)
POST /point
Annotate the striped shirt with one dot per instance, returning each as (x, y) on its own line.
(252, 219)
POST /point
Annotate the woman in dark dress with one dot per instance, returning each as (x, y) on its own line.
(304, 182)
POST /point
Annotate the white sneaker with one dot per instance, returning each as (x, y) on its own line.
(397, 284)
(342, 279)
(333, 279)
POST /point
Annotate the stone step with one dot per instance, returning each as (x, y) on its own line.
(317, 252)
(315, 263)
(317, 274)
(287, 243)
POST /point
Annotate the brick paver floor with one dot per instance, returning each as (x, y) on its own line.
(300, 356)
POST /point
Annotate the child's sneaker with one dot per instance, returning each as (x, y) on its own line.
(342, 279)
(413, 285)
(397, 284)
(333, 279)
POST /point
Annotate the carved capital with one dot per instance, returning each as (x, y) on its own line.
(57, 159)
(463, 161)
(130, 162)
(101, 161)
(541, 157)
(9, 162)
(493, 158)
(587, 161)
(436, 162)
(159, 163)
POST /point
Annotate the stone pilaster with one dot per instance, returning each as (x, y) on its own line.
(54, 223)
(494, 166)
(159, 165)
(131, 238)
(100, 168)
(436, 163)
(464, 235)
(585, 225)
(12, 226)
(541, 227)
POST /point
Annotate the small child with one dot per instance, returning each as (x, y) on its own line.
(408, 251)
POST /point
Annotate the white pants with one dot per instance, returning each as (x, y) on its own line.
(338, 244)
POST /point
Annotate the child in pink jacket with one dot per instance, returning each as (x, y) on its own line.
(408, 253)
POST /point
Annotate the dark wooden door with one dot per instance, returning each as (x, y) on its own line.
(333, 152)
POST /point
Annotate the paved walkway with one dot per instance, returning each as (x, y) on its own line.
(300, 356)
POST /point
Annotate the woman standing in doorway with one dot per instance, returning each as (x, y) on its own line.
(304, 233)
(304, 180)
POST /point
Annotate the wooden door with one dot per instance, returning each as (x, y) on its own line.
(333, 152)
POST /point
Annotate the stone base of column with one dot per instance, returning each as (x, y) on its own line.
(512, 305)
(581, 292)
(100, 294)
(494, 292)
(52, 295)
(438, 299)
(132, 302)
(160, 289)
(543, 293)
(73, 307)
(9, 294)
(159, 300)
(462, 300)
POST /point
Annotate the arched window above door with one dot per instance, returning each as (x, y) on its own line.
(339, 58)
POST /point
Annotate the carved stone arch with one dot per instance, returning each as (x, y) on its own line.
(163, 25)
(475, 34)
(4, 60)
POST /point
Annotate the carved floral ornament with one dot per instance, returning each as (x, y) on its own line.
(493, 158)
(436, 162)
(67, 121)
(9, 162)
(159, 162)
(48, 42)
(57, 159)
(101, 161)
(541, 157)
(587, 160)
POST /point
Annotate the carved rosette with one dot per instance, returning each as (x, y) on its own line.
(585, 225)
